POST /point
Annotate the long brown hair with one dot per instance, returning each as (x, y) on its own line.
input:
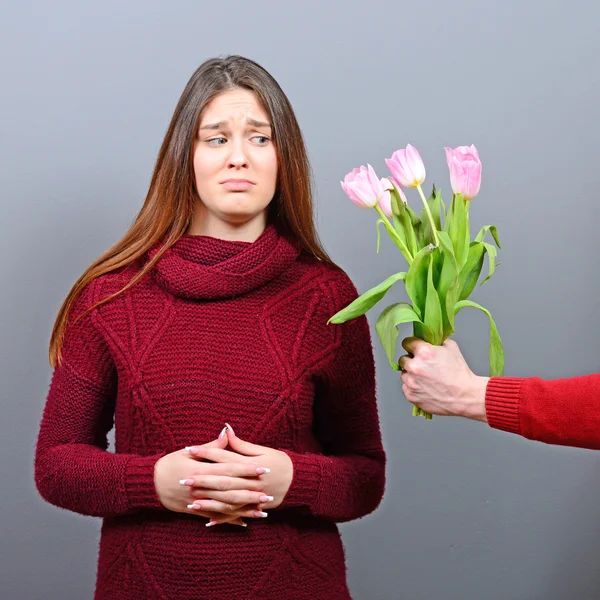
(168, 208)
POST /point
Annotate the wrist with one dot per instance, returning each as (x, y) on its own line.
(140, 481)
(475, 399)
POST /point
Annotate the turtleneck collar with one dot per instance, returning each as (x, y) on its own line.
(204, 267)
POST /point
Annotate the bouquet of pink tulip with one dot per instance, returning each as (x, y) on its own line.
(444, 265)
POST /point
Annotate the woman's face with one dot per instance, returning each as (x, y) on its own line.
(235, 162)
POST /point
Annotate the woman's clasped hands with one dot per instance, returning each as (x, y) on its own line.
(223, 484)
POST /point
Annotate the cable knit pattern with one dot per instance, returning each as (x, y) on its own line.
(218, 331)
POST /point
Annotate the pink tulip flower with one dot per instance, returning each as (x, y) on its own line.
(407, 166)
(465, 170)
(364, 188)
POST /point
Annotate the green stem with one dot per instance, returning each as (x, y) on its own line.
(419, 412)
(433, 228)
(390, 229)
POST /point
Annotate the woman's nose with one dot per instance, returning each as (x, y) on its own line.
(237, 157)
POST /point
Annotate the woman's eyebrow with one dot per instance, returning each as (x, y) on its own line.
(256, 123)
(222, 124)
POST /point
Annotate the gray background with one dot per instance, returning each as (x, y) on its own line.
(87, 90)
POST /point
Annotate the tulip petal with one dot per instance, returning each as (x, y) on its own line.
(374, 181)
(473, 181)
(363, 192)
(474, 151)
(385, 203)
(415, 164)
(396, 169)
(350, 193)
(387, 184)
(352, 175)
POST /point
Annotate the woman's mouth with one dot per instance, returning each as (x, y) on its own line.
(237, 185)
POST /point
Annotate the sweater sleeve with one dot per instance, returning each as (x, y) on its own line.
(560, 411)
(73, 469)
(347, 481)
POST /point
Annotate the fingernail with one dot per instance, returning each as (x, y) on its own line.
(266, 498)
(192, 449)
(260, 514)
(243, 524)
(223, 433)
(262, 470)
(186, 482)
(194, 506)
(228, 426)
(211, 523)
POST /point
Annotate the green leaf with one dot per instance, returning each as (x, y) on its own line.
(387, 327)
(491, 252)
(366, 301)
(492, 229)
(448, 221)
(403, 222)
(416, 279)
(433, 310)
(398, 226)
(437, 258)
(413, 216)
(419, 233)
(444, 209)
(435, 206)
(398, 241)
(447, 247)
(448, 284)
(496, 351)
(417, 226)
(470, 272)
(458, 229)
(434, 203)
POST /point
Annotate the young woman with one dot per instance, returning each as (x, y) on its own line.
(213, 309)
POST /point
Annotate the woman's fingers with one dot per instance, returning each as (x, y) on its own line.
(195, 510)
(249, 511)
(233, 469)
(220, 518)
(241, 446)
(250, 470)
(224, 483)
(235, 522)
(216, 455)
(237, 497)
(221, 442)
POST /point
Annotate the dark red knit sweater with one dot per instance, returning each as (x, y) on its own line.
(219, 331)
(559, 411)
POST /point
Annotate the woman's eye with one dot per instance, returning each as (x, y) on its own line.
(210, 142)
(261, 140)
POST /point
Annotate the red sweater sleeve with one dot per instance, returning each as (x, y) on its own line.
(346, 481)
(73, 468)
(560, 411)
